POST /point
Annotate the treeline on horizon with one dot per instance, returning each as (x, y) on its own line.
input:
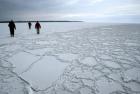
(36, 21)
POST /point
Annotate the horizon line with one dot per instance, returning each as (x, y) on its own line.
(39, 21)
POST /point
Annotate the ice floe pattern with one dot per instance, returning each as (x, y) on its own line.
(102, 60)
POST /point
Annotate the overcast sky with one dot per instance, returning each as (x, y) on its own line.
(86, 10)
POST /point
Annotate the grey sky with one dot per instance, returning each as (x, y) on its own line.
(87, 10)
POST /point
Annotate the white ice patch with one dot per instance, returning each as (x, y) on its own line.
(42, 42)
(82, 74)
(131, 44)
(44, 72)
(138, 57)
(106, 57)
(67, 56)
(111, 64)
(134, 86)
(133, 74)
(106, 87)
(86, 91)
(39, 51)
(21, 61)
(88, 82)
(89, 61)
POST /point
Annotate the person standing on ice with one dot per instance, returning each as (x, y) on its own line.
(12, 28)
(29, 24)
(37, 27)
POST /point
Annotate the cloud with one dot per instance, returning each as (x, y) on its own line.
(72, 2)
(72, 9)
(96, 1)
(127, 9)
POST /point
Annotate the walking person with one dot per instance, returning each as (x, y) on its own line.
(12, 28)
(37, 27)
(29, 24)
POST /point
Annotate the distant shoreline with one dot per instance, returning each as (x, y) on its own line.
(36, 21)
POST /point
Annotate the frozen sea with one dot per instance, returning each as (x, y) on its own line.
(70, 58)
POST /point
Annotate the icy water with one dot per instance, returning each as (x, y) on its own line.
(71, 58)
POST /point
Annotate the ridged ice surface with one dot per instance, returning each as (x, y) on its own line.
(94, 60)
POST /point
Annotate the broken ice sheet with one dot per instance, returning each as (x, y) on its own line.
(95, 56)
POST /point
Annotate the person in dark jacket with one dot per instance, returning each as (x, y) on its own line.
(12, 28)
(29, 24)
(37, 27)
